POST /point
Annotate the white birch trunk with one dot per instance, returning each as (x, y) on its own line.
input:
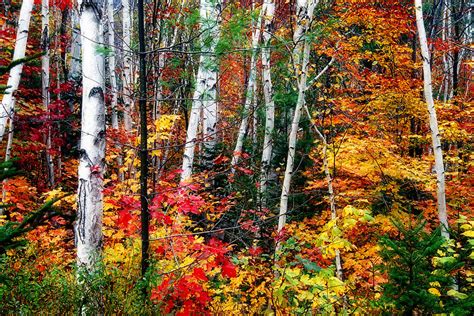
(250, 93)
(332, 196)
(8, 152)
(205, 93)
(268, 13)
(255, 118)
(301, 52)
(88, 226)
(45, 83)
(113, 78)
(210, 73)
(438, 154)
(8, 102)
(75, 66)
(112, 65)
(447, 61)
(127, 64)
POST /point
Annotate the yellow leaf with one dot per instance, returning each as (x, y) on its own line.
(469, 233)
(434, 291)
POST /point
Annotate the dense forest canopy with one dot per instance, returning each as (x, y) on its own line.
(201, 157)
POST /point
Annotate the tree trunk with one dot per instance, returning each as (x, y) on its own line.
(45, 84)
(88, 226)
(113, 79)
(250, 92)
(127, 64)
(332, 196)
(75, 67)
(8, 102)
(268, 13)
(438, 154)
(447, 60)
(112, 65)
(143, 142)
(206, 87)
(301, 58)
(8, 152)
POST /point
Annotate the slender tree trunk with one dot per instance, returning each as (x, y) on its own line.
(143, 141)
(206, 87)
(8, 102)
(250, 92)
(8, 153)
(332, 196)
(268, 13)
(112, 65)
(438, 154)
(301, 58)
(75, 67)
(45, 84)
(113, 78)
(209, 101)
(127, 64)
(88, 226)
(447, 61)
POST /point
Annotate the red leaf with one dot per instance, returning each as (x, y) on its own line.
(228, 270)
(124, 218)
(255, 251)
(199, 274)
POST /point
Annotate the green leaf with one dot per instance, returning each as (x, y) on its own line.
(457, 294)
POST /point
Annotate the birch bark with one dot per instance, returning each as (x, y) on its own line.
(75, 66)
(45, 83)
(332, 196)
(88, 226)
(250, 93)
(127, 64)
(435, 136)
(268, 13)
(112, 66)
(205, 94)
(304, 10)
(8, 102)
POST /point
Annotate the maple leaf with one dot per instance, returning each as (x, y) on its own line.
(228, 269)
(199, 274)
(255, 251)
(124, 218)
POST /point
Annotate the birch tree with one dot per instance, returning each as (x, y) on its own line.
(327, 173)
(45, 83)
(268, 13)
(88, 226)
(304, 11)
(250, 92)
(75, 66)
(127, 64)
(112, 65)
(435, 137)
(8, 101)
(205, 93)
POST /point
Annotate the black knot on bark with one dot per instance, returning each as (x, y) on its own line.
(97, 92)
(96, 6)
